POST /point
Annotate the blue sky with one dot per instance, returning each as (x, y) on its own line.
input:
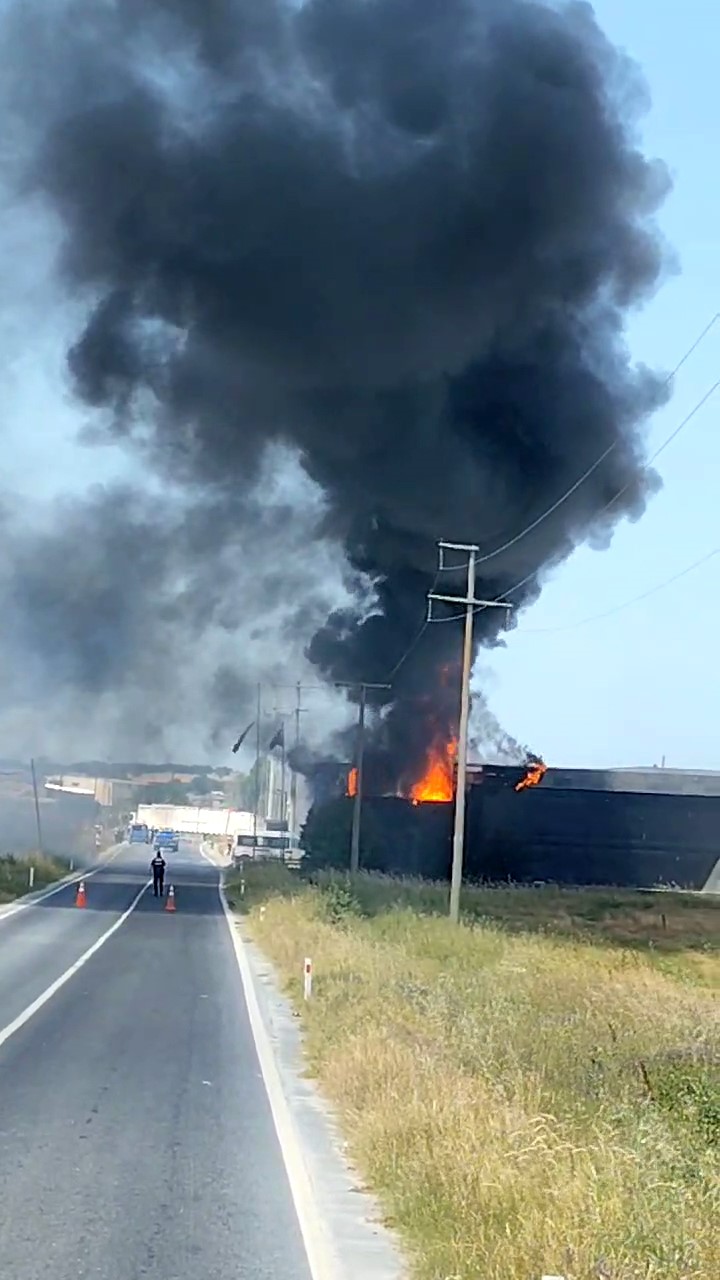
(645, 683)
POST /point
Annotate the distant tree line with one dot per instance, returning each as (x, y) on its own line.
(239, 790)
(125, 769)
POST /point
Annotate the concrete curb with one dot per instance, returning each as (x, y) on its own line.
(361, 1247)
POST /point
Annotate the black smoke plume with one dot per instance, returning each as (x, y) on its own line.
(399, 236)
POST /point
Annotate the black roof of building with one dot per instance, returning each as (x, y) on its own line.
(642, 781)
(689, 782)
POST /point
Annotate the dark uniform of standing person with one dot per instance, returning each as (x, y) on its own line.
(158, 865)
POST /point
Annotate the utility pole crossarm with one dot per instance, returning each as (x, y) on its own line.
(478, 604)
(359, 684)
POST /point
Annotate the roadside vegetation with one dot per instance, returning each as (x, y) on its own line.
(15, 873)
(534, 1093)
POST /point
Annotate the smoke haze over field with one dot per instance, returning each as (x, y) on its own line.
(389, 242)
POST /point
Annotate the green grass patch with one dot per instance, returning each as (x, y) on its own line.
(15, 873)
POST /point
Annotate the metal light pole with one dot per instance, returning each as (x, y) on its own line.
(293, 775)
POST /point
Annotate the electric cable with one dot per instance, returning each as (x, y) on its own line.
(608, 613)
(598, 461)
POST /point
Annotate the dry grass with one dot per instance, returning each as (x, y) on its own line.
(537, 1092)
(15, 874)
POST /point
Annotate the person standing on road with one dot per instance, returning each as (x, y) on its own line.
(157, 867)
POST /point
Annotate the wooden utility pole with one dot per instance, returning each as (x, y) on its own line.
(258, 714)
(357, 799)
(37, 807)
(471, 608)
(363, 686)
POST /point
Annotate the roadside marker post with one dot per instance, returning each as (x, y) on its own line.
(307, 978)
(31, 877)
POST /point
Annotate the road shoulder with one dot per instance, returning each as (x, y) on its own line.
(8, 909)
(355, 1238)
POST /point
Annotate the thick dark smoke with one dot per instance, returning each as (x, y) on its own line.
(397, 235)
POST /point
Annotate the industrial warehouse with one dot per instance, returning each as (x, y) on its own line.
(631, 827)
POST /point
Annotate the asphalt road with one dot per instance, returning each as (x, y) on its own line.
(136, 1139)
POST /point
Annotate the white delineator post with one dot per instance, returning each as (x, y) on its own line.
(307, 978)
(32, 877)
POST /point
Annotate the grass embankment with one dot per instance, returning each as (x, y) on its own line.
(15, 874)
(536, 1092)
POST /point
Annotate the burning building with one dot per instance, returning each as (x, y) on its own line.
(589, 826)
(632, 827)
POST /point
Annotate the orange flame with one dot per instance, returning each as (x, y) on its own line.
(352, 780)
(535, 774)
(437, 782)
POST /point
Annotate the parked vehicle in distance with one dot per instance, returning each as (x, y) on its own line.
(167, 841)
(138, 833)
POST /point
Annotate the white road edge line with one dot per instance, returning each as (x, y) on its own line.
(55, 986)
(321, 1256)
(15, 908)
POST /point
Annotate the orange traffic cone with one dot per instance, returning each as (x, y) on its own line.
(81, 900)
(170, 904)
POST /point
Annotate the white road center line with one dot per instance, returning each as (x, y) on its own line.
(55, 986)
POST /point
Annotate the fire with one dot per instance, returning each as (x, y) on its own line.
(352, 783)
(535, 774)
(437, 782)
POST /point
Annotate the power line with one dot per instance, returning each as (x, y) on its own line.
(568, 494)
(486, 604)
(668, 440)
(597, 617)
(608, 613)
(418, 636)
(550, 511)
(499, 600)
(598, 461)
